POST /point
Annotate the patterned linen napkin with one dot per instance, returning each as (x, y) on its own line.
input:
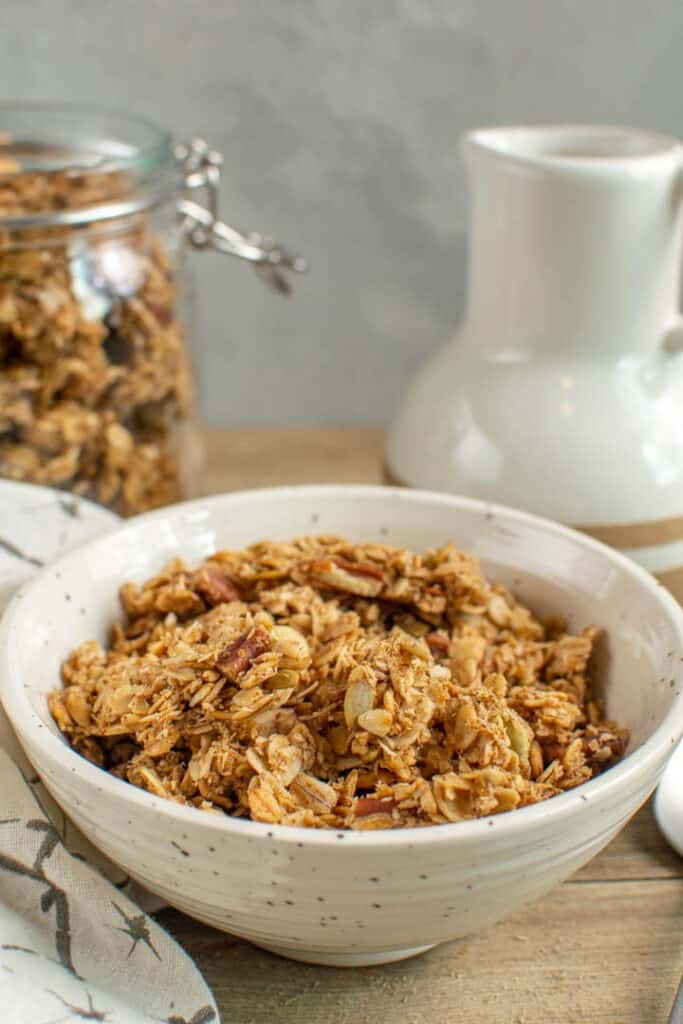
(74, 945)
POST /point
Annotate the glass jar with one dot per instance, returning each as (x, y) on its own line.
(96, 385)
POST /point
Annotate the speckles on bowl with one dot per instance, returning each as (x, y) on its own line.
(180, 848)
(71, 507)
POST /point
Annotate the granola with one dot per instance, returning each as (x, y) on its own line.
(94, 375)
(337, 685)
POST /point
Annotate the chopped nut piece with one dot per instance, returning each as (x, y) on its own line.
(377, 721)
(438, 643)
(78, 708)
(234, 660)
(498, 610)
(355, 579)
(535, 759)
(315, 794)
(216, 588)
(365, 805)
(292, 647)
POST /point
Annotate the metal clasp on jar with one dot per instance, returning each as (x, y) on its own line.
(201, 167)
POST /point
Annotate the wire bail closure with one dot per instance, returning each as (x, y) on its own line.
(202, 169)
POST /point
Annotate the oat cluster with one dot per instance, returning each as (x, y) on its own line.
(337, 685)
(95, 381)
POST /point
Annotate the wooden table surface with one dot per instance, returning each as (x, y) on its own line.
(604, 948)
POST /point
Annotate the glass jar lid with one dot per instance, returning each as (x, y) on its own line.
(70, 166)
(65, 138)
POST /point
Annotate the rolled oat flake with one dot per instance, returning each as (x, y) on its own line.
(97, 212)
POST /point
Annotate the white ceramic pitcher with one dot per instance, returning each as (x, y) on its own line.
(563, 391)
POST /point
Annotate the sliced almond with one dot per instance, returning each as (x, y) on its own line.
(377, 721)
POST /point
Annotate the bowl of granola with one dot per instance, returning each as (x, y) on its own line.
(345, 723)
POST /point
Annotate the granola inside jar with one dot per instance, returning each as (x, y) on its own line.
(97, 392)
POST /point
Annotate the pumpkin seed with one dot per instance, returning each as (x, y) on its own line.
(285, 679)
(359, 698)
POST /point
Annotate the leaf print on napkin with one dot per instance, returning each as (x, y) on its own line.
(16, 552)
(202, 1016)
(50, 899)
(53, 896)
(78, 1012)
(136, 928)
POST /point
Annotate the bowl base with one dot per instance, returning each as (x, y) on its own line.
(333, 959)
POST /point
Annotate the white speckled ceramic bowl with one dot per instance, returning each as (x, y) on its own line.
(353, 898)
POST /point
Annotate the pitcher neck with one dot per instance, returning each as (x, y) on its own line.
(575, 237)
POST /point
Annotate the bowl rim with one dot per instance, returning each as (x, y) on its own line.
(634, 766)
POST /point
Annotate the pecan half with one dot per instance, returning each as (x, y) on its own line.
(365, 805)
(237, 657)
(215, 587)
(438, 643)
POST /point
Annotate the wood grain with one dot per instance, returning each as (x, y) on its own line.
(594, 953)
(606, 947)
(269, 457)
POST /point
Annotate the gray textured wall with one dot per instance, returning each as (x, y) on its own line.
(339, 121)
